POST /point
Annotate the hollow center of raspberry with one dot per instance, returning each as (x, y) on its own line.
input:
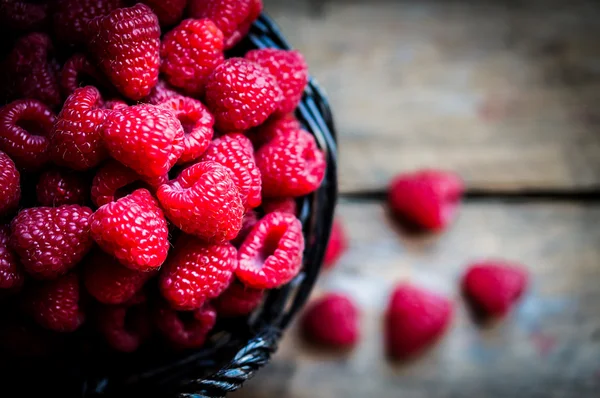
(33, 127)
(187, 123)
(85, 79)
(130, 188)
(270, 245)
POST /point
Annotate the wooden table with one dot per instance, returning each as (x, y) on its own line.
(508, 95)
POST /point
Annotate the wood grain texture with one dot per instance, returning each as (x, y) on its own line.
(505, 93)
(548, 347)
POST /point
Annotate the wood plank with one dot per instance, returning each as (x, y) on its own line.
(548, 347)
(505, 93)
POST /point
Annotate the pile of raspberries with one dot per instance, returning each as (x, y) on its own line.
(147, 182)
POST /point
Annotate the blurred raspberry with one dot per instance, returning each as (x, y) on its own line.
(332, 320)
(190, 52)
(22, 338)
(271, 254)
(337, 245)
(184, 329)
(203, 201)
(282, 205)
(79, 72)
(10, 186)
(11, 274)
(19, 15)
(241, 94)
(169, 12)
(238, 300)
(61, 187)
(248, 222)
(72, 17)
(276, 126)
(125, 327)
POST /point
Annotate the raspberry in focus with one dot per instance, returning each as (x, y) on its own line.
(275, 127)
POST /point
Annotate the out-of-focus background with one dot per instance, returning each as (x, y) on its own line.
(507, 94)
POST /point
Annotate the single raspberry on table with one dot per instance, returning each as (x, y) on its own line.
(145, 138)
(203, 201)
(414, 320)
(58, 187)
(248, 222)
(428, 199)
(124, 327)
(109, 282)
(494, 286)
(169, 12)
(113, 181)
(197, 123)
(276, 126)
(78, 72)
(241, 94)
(126, 45)
(238, 300)
(291, 167)
(11, 274)
(232, 17)
(160, 93)
(338, 243)
(51, 240)
(190, 53)
(232, 151)
(333, 321)
(271, 254)
(196, 272)
(134, 230)
(20, 15)
(184, 329)
(71, 17)
(10, 185)
(290, 70)
(282, 205)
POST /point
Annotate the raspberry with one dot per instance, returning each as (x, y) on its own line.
(55, 304)
(126, 44)
(146, 138)
(197, 123)
(10, 185)
(197, 272)
(32, 70)
(109, 282)
(11, 275)
(238, 300)
(276, 126)
(24, 130)
(428, 199)
(169, 12)
(113, 181)
(241, 94)
(17, 15)
(337, 245)
(185, 329)
(203, 201)
(231, 151)
(233, 17)
(291, 167)
(58, 187)
(134, 230)
(51, 240)
(290, 70)
(115, 104)
(332, 320)
(79, 72)
(160, 93)
(414, 320)
(271, 255)
(73, 16)
(248, 222)
(282, 205)
(190, 53)
(494, 286)
(124, 327)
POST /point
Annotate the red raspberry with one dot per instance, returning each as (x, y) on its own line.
(11, 275)
(17, 15)
(231, 151)
(185, 329)
(160, 93)
(134, 230)
(233, 17)
(10, 186)
(124, 327)
(197, 272)
(203, 201)
(58, 187)
(248, 222)
(115, 104)
(126, 44)
(79, 72)
(238, 300)
(190, 53)
(73, 16)
(197, 123)
(494, 286)
(241, 94)
(271, 255)
(290, 70)
(291, 167)
(109, 282)
(51, 240)
(332, 320)
(169, 12)
(113, 181)
(33, 71)
(414, 320)
(55, 305)
(428, 199)
(146, 138)
(24, 130)
(337, 245)
(276, 126)
(282, 205)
